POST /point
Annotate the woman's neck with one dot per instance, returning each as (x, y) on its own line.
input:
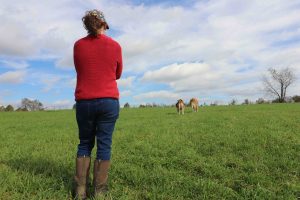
(101, 31)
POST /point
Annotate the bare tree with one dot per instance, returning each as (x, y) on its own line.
(278, 82)
(31, 105)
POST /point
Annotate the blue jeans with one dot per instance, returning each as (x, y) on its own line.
(96, 118)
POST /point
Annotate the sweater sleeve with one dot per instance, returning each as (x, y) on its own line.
(119, 62)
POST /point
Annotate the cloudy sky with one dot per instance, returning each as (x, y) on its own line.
(213, 50)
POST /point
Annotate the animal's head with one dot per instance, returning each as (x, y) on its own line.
(180, 101)
(193, 100)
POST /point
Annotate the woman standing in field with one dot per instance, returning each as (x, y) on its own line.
(98, 63)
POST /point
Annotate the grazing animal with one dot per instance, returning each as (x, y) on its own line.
(194, 104)
(180, 106)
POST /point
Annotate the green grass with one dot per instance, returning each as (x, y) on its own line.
(222, 152)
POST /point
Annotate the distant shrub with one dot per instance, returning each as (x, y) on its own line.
(233, 102)
(148, 105)
(246, 102)
(2, 108)
(9, 108)
(164, 105)
(126, 105)
(214, 103)
(296, 98)
(260, 101)
(275, 101)
(155, 105)
(22, 109)
(286, 100)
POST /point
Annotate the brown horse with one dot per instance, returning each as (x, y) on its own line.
(180, 106)
(194, 104)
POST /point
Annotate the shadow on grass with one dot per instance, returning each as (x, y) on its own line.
(47, 168)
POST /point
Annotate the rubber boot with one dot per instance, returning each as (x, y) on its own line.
(81, 177)
(101, 168)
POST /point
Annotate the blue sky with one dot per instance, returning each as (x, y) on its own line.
(212, 50)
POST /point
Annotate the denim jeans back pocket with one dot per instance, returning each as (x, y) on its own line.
(110, 108)
(82, 110)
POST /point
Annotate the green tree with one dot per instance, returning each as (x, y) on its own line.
(126, 105)
(9, 108)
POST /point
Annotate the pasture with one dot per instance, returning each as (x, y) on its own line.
(221, 152)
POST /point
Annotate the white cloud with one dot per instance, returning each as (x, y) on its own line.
(188, 77)
(66, 61)
(60, 104)
(234, 41)
(201, 80)
(49, 82)
(13, 77)
(14, 64)
(36, 29)
(16, 39)
(222, 31)
(6, 93)
(126, 82)
(3, 94)
(176, 72)
(72, 82)
(156, 96)
(294, 89)
(126, 93)
(15, 104)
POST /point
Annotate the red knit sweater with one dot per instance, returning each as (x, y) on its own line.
(98, 63)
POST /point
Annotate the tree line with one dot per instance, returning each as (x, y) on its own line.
(276, 83)
(26, 105)
(293, 99)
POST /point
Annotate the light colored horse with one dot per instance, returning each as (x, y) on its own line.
(194, 104)
(180, 106)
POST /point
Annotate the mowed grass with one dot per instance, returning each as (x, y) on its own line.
(222, 152)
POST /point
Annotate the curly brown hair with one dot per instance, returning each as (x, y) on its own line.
(94, 20)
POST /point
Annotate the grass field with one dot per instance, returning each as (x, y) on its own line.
(222, 152)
